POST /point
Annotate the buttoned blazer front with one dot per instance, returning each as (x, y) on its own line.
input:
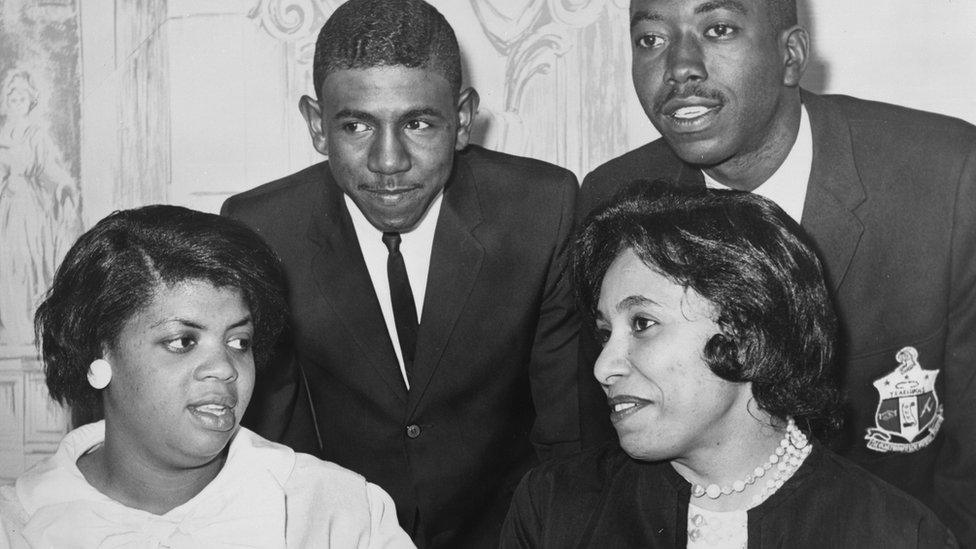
(494, 372)
(891, 209)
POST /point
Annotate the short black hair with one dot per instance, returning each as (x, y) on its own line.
(114, 269)
(363, 34)
(748, 258)
(781, 14)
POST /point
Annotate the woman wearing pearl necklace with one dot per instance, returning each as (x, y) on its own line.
(718, 340)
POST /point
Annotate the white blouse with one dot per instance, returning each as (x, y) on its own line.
(266, 495)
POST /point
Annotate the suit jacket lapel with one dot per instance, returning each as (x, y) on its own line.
(835, 189)
(341, 276)
(455, 262)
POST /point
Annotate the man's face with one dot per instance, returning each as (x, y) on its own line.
(711, 74)
(390, 134)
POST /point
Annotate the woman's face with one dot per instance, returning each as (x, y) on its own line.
(182, 375)
(664, 400)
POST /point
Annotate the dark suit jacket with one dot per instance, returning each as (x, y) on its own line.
(891, 206)
(495, 364)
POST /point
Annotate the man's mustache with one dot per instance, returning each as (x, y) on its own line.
(689, 90)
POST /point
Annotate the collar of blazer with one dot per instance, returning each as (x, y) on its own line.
(343, 280)
(835, 190)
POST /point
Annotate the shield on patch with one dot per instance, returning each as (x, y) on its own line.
(908, 404)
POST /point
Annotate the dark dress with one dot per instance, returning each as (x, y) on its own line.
(603, 498)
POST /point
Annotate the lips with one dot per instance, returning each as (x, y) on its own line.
(390, 196)
(691, 112)
(622, 406)
(215, 413)
(689, 108)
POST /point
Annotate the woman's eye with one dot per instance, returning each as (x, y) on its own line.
(647, 41)
(640, 323)
(181, 344)
(240, 343)
(602, 336)
(719, 31)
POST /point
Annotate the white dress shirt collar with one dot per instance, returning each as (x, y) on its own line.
(787, 187)
(415, 246)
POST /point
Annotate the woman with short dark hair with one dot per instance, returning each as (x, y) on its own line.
(718, 340)
(158, 319)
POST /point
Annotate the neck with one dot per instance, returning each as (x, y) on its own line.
(733, 458)
(128, 476)
(750, 169)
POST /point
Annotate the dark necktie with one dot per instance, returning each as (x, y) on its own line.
(404, 310)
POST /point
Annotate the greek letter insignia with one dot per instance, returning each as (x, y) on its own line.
(909, 414)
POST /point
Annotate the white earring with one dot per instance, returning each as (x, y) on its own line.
(99, 373)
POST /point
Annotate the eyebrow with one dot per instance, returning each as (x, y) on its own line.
(635, 301)
(350, 113)
(196, 325)
(409, 115)
(731, 5)
(425, 111)
(644, 15)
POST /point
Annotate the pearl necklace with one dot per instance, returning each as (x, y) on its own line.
(787, 458)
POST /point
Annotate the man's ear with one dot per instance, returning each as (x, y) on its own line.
(312, 112)
(796, 50)
(467, 109)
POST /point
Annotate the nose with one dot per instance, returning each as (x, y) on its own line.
(219, 365)
(388, 153)
(612, 364)
(685, 60)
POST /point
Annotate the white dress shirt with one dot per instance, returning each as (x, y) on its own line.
(415, 246)
(787, 187)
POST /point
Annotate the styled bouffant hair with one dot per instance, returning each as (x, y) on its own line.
(748, 258)
(363, 34)
(114, 270)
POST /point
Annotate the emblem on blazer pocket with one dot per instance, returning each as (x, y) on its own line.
(909, 413)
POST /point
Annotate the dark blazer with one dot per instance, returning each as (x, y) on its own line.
(494, 373)
(603, 498)
(891, 207)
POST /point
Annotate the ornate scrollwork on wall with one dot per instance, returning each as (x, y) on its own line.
(290, 20)
(295, 22)
(563, 66)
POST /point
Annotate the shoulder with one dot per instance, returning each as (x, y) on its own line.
(322, 499)
(651, 161)
(501, 175)
(278, 197)
(641, 162)
(878, 127)
(836, 494)
(522, 169)
(305, 479)
(515, 193)
(326, 501)
(13, 517)
(866, 111)
(575, 480)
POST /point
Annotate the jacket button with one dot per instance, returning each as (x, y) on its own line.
(413, 431)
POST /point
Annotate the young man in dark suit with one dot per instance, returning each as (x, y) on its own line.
(434, 332)
(887, 194)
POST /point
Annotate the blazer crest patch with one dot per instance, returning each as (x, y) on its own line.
(909, 415)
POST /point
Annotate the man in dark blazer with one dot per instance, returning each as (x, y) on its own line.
(888, 196)
(448, 424)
